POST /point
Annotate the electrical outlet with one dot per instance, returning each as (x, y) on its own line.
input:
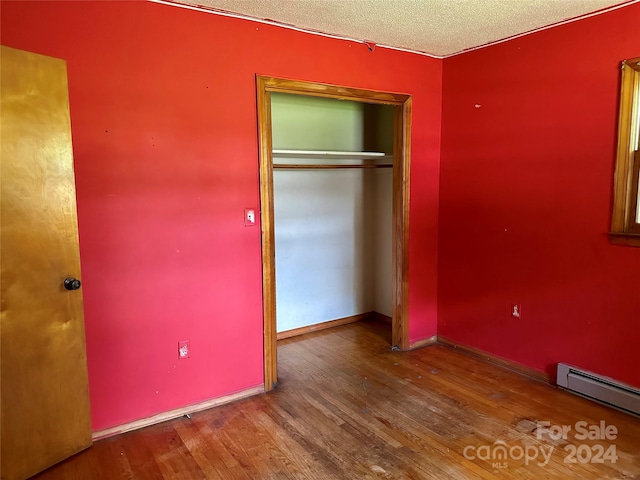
(516, 310)
(184, 349)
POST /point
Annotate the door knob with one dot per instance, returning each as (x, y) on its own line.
(71, 283)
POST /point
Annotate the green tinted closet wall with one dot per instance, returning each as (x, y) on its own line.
(332, 226)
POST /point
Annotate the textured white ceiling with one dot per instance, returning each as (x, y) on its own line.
(437, 27)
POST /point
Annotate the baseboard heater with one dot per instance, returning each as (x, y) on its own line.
(599, 388)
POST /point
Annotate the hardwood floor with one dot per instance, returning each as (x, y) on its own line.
(348, 408)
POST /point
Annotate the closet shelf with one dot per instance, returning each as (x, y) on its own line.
(324, 165)
(334, 154)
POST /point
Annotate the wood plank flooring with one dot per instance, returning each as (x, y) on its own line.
(347, 407)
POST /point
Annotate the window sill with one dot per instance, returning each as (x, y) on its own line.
(628, 239)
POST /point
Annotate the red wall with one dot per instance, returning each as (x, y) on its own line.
(163, 110)
(528, 150)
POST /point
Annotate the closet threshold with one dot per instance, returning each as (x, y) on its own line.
(281, 153)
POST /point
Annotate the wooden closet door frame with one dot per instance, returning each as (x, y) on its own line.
(401, 168)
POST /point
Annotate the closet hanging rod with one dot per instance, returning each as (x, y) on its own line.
(316, 166)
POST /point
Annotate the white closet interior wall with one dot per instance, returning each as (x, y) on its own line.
(333, 227)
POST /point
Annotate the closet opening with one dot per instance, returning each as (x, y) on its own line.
(334, 194)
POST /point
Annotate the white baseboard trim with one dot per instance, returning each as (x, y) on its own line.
(179, 412)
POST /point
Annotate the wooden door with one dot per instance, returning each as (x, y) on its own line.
(45, 402)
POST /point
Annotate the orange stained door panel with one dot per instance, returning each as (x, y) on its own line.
(44, 390)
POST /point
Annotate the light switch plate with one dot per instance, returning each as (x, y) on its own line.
(249, 217)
